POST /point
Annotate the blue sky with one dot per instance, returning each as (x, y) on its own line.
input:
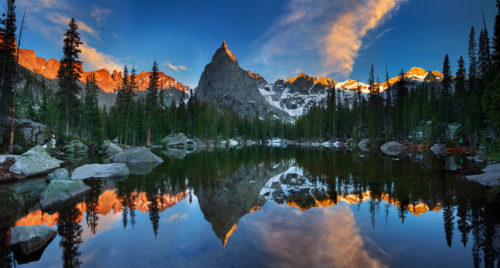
(278, 38)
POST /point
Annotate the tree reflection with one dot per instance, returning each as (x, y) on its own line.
(70, 232)
(92, 203)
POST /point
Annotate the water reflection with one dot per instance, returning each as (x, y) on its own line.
(283, 207)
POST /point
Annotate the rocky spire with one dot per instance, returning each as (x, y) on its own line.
(223, 53)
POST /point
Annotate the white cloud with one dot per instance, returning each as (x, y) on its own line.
(38, 5)
(98, 60)
(99, 14)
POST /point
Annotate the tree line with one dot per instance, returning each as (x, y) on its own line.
(405, 111)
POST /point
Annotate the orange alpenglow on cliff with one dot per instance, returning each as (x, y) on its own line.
(108, 82)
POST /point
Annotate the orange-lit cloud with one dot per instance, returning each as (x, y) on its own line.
(95, 60)
(58, 18)
(175, 67)
(344, 40)
(333, 31)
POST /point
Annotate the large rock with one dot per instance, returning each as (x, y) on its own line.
(61, 193)
(113, 149)
(58, 174)
(175, 140)
(76, 147)
(33, 133)
(392, 148)
(28, 239)
(490, 177)
(439, 149)
(35, 162)
(137, 155)
(364, 145)
(100, 171)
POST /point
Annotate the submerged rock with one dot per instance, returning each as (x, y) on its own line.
(490, 177)
(58, 174)
(175, 153)
(439, 149)
(141, 168)
(100, 171)
(34, 162)
(28, 239)
(61, 193)
(137, 155)
(175, 140)
(364, 145)
(392, 148)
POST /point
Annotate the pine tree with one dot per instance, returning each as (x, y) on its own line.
(461, 94)
(121, 102)
(472, 61)
(474, 113)
(388, 107)
(93, 115)
(496, 38)
(7, 57)
(69, 73)
(152, 99)
(400, 107)
(130, 93)
(444, 104)
(484, 54)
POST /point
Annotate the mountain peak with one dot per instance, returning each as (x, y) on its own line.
(416, 72)
(224, 52)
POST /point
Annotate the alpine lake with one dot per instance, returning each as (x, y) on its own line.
(265, 207)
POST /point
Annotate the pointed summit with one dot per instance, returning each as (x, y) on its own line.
(223, 52)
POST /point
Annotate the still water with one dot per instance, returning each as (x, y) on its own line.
(266, 207)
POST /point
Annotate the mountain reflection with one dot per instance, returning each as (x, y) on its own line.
(326, 185)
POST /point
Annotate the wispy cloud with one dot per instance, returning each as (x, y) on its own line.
(60, 19)
(175, 67)
(344, 40)
(99, 14)
(38, 5)
(334, 30)
(98, 60)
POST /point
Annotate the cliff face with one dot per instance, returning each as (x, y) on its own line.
(106, 80)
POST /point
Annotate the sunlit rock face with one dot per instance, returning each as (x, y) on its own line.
(228, 199)
(106, 80)
(224, 82)
(107, 202)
